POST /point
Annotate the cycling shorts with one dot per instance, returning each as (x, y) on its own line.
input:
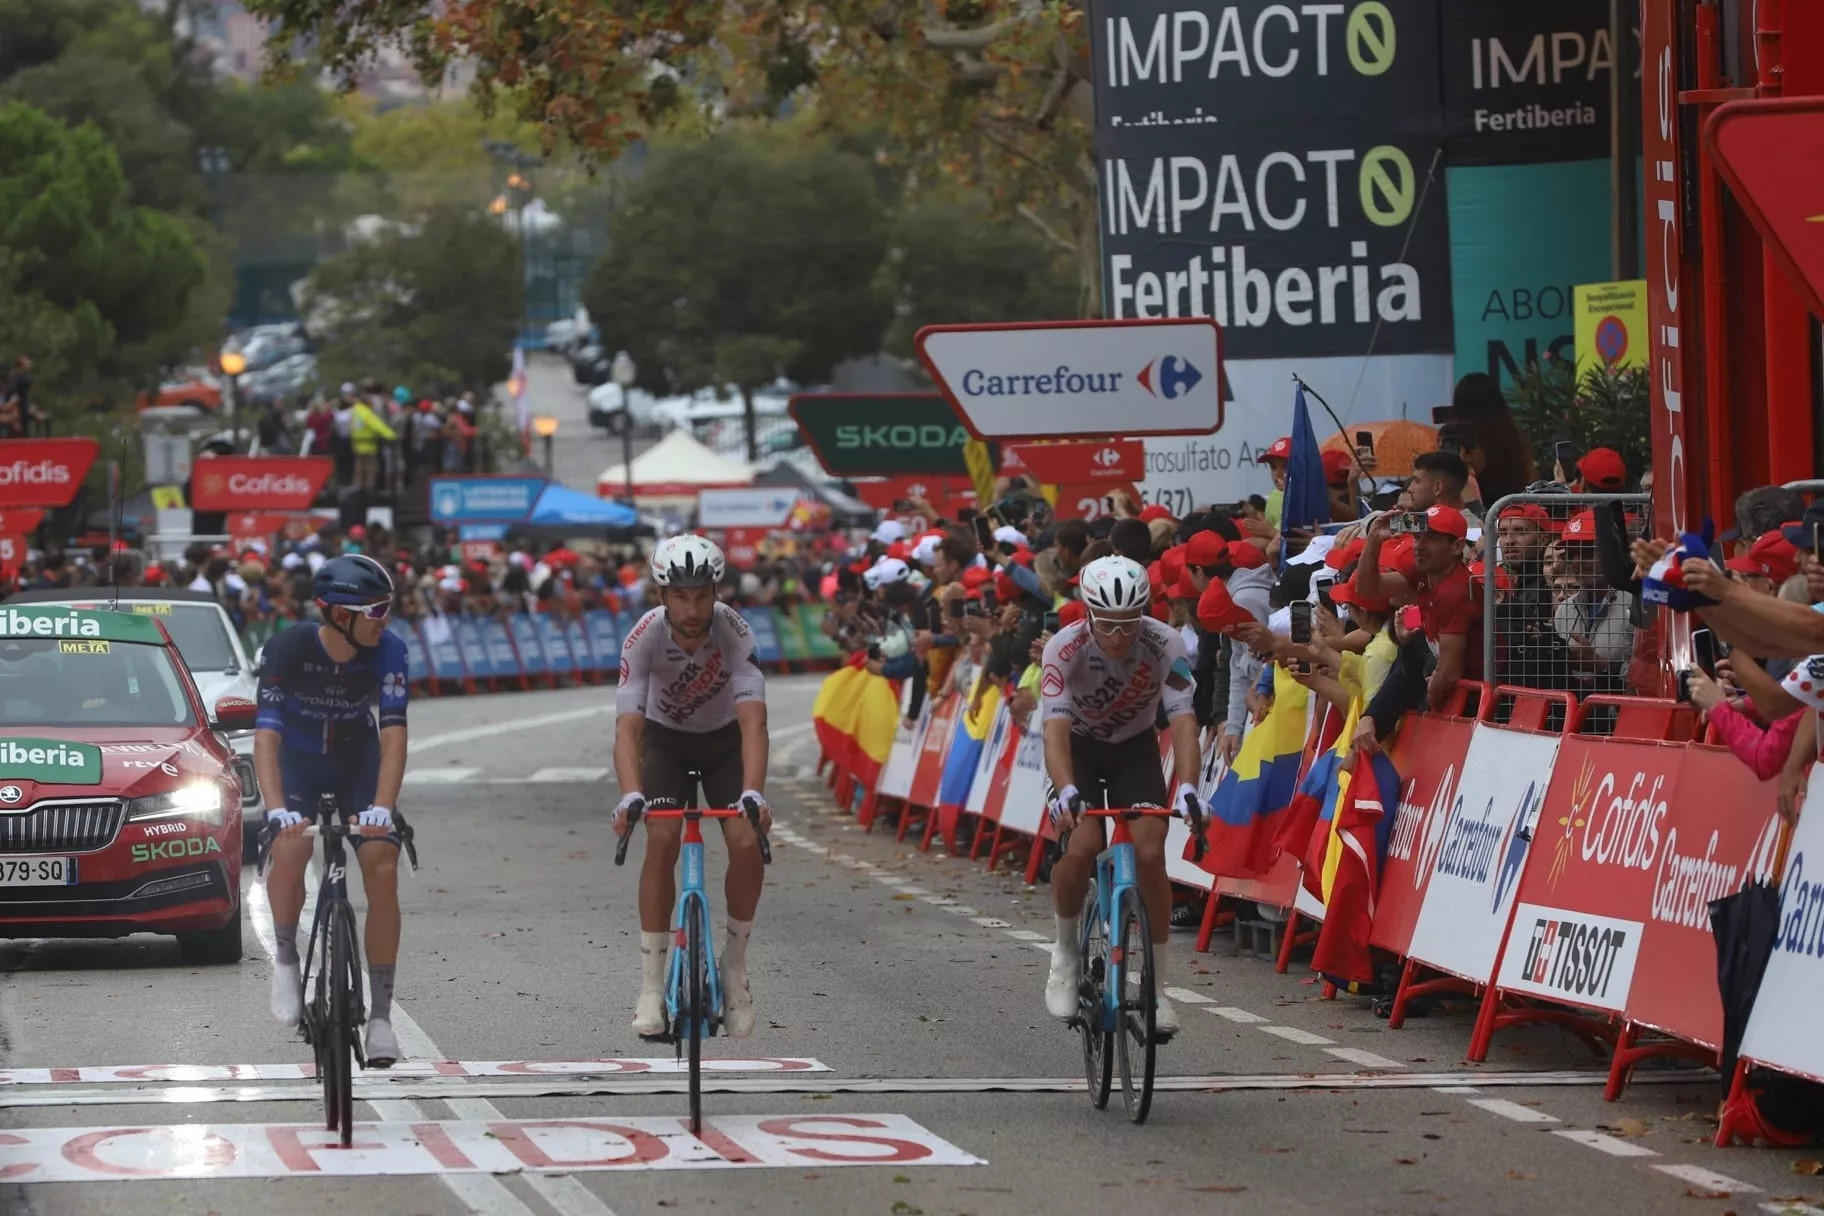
(667, 757)
(1132, 768)
(352, 776)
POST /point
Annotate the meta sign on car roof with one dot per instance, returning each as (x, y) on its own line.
(1079, 379)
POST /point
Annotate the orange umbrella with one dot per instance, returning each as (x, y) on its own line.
(1396, 443)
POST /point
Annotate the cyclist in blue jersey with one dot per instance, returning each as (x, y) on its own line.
(315, 735)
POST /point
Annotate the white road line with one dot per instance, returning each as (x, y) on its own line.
(1709, 1180)
(961, 910)
(1455, 1089)
(941, 901)
(990, 922)
(483, 1194)
(1791, 1209)
(1293, 1034)
(1512, 1110)
(1045, 946)
(1187, 996)
(1367, 1059)
(892, 880)
(468, 734)
(1027, 935)
(1605, 1143)
(909, 889)
(568, 774)
(1236, 1015)
(439, 776)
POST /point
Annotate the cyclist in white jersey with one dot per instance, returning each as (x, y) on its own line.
(691, 696)
(1104, 682)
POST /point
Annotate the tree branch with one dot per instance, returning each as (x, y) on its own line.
(1051, 234)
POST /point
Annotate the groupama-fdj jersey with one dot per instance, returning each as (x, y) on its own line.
(697, 691)
(323, 707)
(1113, 700)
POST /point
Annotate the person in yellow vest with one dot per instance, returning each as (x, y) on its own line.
(367, 430)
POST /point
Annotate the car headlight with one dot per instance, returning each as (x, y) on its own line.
(201, 802)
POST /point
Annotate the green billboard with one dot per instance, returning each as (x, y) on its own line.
(882, 434)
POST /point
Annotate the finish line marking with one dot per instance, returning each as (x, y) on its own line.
(141, 1074)
(506, 1146)
(369, 1089)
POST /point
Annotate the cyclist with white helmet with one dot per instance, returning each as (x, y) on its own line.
(691, 696)
(1103, 684)
(315, 735)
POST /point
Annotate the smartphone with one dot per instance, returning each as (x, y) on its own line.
(1451, 443)
(902, 506)
(1684, 685)
(1108, 504)
(1817, 536)
(1566, 456)
(1301, 622)
(1406, 522)
(1440, 414)
(1704, 652)
(956, 610)
(1051, 624)
(984, 533)
(988, 604)
(972, 608)
(1323, 598)
(1412, 618)
(1365, 439)
(873, 652)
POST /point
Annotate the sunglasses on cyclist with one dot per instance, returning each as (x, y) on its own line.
(1119, 628)
(373, 612)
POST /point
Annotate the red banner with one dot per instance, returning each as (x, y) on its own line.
(945, 494)
(258, 483)
(480, 550)
(930, 772)
(12, 552)
(1074, 463)
(44, 472)
(742, 546)
(21, 521)
(1429, 756)
(246, 524)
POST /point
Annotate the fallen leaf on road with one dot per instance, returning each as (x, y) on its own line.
(901, 1178)
(1631, 1128)
(1275, 1150)
(1405, 1160)
(1811, 1167)
(903, 896)
(493, 935)
(1700, 1192)
(1520, 1175)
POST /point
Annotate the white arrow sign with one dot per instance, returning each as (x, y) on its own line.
(1079, 379)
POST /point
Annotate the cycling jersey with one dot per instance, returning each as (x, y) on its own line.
(697, 691)
(1109, 699)
(321, 706)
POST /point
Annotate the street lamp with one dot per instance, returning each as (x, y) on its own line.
(623, 373)
(233, 363)
(545, 427)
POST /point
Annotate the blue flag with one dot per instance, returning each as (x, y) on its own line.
(1307, 500)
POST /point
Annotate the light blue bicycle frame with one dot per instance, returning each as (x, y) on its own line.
(693, 900)
(1115, 873)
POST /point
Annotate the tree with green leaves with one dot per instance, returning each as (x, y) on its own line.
(1604, 408)
(737, 260)
(433, 305)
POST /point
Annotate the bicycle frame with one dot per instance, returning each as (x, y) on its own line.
(693, 899)
(1116, 872)
(332, 890)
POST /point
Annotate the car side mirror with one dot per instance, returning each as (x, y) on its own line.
(259, 657)
(235, 713)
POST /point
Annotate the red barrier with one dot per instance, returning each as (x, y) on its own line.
(1429, 754)
(930, 773)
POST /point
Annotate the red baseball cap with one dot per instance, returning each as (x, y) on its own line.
(975, 576)
(1447, 520)
(1244, 556)
(1171, 564)
(1772, 556)
(1005, 589)
(1205, 549)
(1281, 449)
(899, 550)
(1477, 570)
(1183, 589)
(1217, 611)
(1397, 558)
(1341, 555)
(1580, 529)
(1603, 468)
(1071, 612)
(1337, 466)
(1149, 514)
(1349, 593)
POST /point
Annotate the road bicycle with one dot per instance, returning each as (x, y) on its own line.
(693, 983)
(335, 1012)
(1117, 987)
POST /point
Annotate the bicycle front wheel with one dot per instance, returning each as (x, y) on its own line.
(1138, 1009)
(1092, 973)
(696, 979)
(344, 970)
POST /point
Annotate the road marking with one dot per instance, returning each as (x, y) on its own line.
(1794, 1208)
(468, 734)
(1293, 1034)
(1709, 1180)
(990, 922)
(476, 1149)
(1040, 945)
(439, 776)
(1236, 1015)
(892, 880)
(1455, 1089)
(461, 1089)
(961, 909)
(1512, 1110)
(909, 889)
(568, 774)
(1187, 996)
(193, 1074)
(1027, 935)
(1604, 1143)
(941, 901)
(1367, 1059)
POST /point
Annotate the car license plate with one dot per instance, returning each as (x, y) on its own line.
(37, 871)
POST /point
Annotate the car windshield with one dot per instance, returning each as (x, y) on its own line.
(200, 635)
(61, 682)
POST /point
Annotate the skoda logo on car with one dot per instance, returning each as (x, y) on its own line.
(10, 794)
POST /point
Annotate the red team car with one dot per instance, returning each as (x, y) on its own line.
(120, 810)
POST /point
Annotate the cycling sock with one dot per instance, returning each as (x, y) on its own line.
(285, 944)
(1067, 935)
(734, 953)
(653, 953)
(380, 979)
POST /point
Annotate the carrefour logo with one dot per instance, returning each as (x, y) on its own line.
(1176, 377)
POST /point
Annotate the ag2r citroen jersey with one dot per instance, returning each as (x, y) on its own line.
(1115, 699)
(689, 691)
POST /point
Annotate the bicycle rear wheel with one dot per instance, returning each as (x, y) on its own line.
(697, 987)
(1138, 1008)
(343, 966)
(1092, 972)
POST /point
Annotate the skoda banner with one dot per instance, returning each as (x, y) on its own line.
(882, 434)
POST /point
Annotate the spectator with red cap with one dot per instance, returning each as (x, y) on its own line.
(1769, 562)
(1601, 471)
(1438, 582)
(1277, 458)
(1591, 616)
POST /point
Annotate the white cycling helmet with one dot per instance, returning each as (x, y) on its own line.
(687, 561)
(1114, 584)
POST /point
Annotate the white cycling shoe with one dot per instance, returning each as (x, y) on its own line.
(1165, 1018)
(649, 1014)
(382, 1046)
(1061, 985)
(737, 1002)
(287, 994)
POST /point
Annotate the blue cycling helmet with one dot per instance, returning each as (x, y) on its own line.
(402, 394)
(353, 580)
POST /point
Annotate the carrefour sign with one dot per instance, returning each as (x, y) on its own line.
(1079, 378)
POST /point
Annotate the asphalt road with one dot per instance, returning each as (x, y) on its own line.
(579, 452)
(872, 959)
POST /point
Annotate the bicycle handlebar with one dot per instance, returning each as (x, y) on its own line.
(1199, 846)
(749, 809)
(400, 831)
